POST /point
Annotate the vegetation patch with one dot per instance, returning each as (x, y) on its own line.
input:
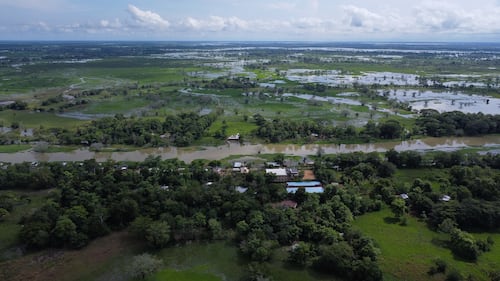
(13, 148)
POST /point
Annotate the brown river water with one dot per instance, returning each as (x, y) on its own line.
(220, 152)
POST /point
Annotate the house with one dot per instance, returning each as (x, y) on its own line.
(290, 163)
(307, 162)
(234, 137)
(280, 174)
(237, 166)
(308, 186)
(293, 172)
(318, 189)
(272, 165)
(445, 198)
(241, 189)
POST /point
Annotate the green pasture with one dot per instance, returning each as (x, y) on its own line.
(13, 148)
(188, 275)
(407, 252)
(221, 261)
(143, 70)
(29, 119)
(432, 175)
(235, 124)
(27, 81)
(116, 104)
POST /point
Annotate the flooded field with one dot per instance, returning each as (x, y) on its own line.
(336, 78)
(333, 100)
(446, 101)
(221, 152)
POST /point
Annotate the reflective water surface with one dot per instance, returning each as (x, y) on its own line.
(220, 152)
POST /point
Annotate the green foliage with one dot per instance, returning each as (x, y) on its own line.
(65, 234)
(300, 254)
(257, 249)
(464, 245)
(454, 123)
(439, 266)
(158, 234)
(180, 130)
(398, 207)
(144, 265)
(454, 275)
(215, 229)
(3, 214)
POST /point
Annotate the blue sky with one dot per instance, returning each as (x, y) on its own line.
(301, 20)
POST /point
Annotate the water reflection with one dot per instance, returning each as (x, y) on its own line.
(220, 152)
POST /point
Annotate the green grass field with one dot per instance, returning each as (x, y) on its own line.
(220, 261)
(188, 275)
(115, 105)
(407, 252)
(14, 148)
(29, 119)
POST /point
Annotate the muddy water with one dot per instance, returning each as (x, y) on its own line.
(220, 152)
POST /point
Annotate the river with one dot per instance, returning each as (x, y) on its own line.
(221, 152)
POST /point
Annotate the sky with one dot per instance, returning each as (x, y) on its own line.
(251, 20)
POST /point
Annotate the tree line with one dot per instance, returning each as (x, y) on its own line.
(279, 130)
(456, 123)
(178, 130)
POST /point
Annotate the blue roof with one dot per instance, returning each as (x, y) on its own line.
(307, 189)
(303, 184)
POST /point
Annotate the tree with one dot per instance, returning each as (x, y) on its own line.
(140, 225)
(35, 235)
(215, 228)
(336, 258)
(65, 234)
(300, 254)
(398, 207)
(463, 245)
(447, 226)
(386, 169)
(144, 265)
(158, 234)
(390, 129)
(3, 214)
(365, 269)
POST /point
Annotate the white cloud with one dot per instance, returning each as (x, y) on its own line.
(310, 23)
(441, 17)
(111, 25)
(147, 18)
(213, 24)
(340, 22)
(362, 18)
(447, 18)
